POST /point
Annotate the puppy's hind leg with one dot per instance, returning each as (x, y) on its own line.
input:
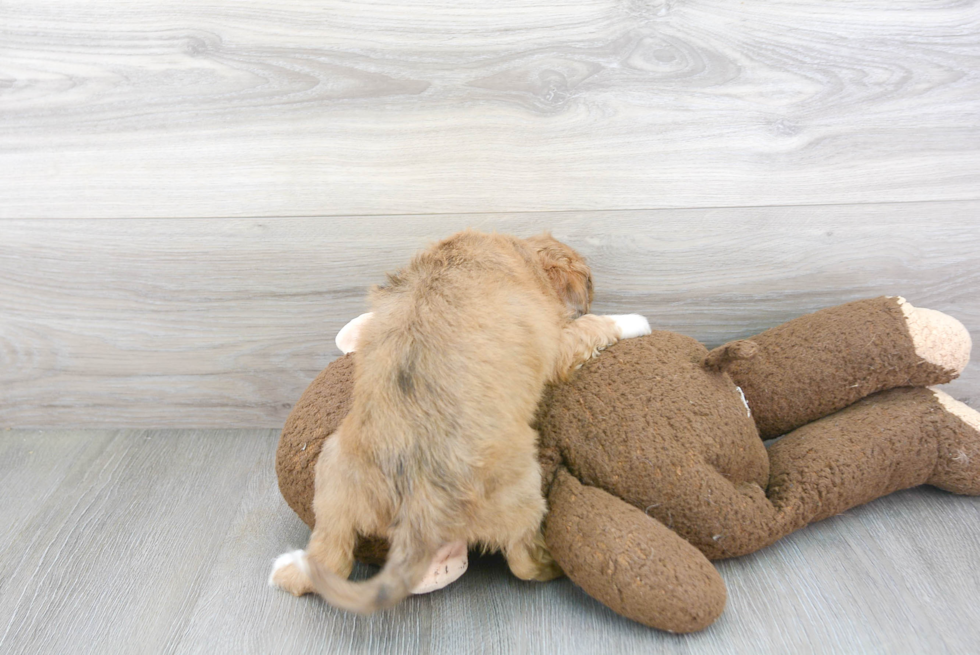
(522, 539)
(333, 548)
(334, 533)
(529, 559)
(583, 338)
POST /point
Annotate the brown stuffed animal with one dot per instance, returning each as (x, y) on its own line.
(653, 461)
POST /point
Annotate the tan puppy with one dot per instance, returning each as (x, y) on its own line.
(437, 447)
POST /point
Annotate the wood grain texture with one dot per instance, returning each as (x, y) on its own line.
(222, 323)
(160, 542)
(107, 561)
(255, 108)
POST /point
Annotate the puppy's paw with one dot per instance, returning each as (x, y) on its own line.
(547, 567)
(549, 571)
(289, 573)
(533, 561)
(631, 325)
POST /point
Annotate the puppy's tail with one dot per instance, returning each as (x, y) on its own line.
(408, 561)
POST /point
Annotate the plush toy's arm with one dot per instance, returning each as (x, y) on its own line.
(629, 561)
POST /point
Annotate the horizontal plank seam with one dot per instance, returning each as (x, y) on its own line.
(494, 213)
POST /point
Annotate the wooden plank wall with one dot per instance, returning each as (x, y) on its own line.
(261, 108)
(724, 166)
(223, 322)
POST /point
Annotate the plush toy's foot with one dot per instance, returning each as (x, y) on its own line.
(893, 440)
(937, 338)
(288, 574)
(448, 565)
(958, 465)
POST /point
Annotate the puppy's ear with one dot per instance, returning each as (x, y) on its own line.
(570, 276)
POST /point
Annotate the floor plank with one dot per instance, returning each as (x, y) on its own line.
(161, 542)
(222, 323)
(252, 108)
(109, 561)
(32, 467)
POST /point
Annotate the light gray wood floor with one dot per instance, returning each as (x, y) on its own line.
(160, 541)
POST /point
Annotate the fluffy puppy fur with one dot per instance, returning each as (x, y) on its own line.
(437, 447)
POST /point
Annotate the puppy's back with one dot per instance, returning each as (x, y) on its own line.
(455, 358)
(468, 323)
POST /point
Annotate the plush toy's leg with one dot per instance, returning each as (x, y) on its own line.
(958, 464)
(893, 440)
(815, 365)
(889, 441)
(583, 338)
(630, 562)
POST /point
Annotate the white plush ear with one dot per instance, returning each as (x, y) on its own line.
(348, 336)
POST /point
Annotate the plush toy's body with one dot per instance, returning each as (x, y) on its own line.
(653, 459)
